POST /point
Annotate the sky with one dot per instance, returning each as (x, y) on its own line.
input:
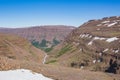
(25, 13)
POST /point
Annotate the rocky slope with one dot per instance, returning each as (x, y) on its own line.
(15, 50)
(43, 36)
(93, 44)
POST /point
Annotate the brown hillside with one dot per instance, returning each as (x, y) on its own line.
(93, 44)
(38, 33)
(16, 49)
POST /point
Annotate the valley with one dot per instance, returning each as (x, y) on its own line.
(43, 37)
(90, 46)
(84, 53)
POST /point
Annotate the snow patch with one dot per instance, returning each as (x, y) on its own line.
(112, 39)
(90, 43)
(81, 67)
(102, 38)
(106, 50)
(99, 38)
(90, 36)
(85, 36)
(98, 29)
(108, 23)
(115, 51)
(21, 74)
(112, 24)
(80, 49)
(100, 54)
(95, 38)
(99, 25)
(94, 61)
(98, 61)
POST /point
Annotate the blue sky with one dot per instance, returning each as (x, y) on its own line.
(25, 13)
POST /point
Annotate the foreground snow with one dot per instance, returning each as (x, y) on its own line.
(21, 74)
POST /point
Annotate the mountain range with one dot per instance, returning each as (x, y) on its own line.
(41, 36)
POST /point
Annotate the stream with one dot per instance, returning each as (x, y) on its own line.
(44, 59)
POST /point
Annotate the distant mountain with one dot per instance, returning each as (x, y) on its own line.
(93, 44)
(42, 36)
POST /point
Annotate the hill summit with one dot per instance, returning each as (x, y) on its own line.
(93, 45)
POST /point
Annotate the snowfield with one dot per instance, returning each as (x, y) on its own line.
(21, 74)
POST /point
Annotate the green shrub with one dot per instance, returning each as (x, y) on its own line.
(51, 61)
(35, 43)
(55, 41)
(12, 57)
(48, 49)
(39, 45)
(64, 50)
(43, 43)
